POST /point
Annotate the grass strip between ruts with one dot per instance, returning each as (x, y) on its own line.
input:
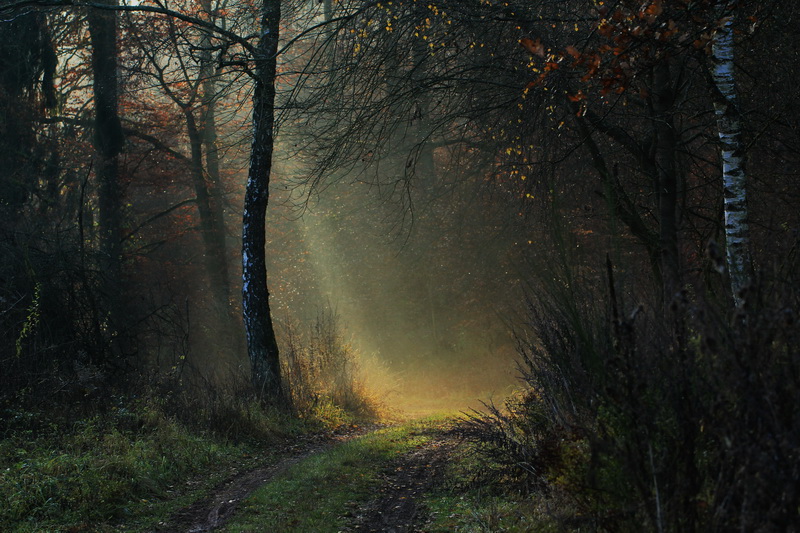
(316, 494)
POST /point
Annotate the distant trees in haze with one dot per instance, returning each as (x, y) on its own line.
(179, 60)
(624, 89)
(598, 115)
(588, 154)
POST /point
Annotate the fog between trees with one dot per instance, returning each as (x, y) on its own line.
(223, 214)
(434, 161)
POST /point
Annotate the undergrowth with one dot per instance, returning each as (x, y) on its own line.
(483, 490)
(323, 374)
(104, 460)
(674, 418)
(91, 473)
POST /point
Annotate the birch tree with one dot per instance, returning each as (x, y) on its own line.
(729, 124)
(262, 347)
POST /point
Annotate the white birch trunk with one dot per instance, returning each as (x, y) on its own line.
(262, 347)
(729, 124)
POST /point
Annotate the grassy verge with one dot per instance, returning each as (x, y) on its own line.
(473, 512)
(314, 495)
(466, 503)
(479, 494)
(125, 461)
(317, 495)
(126, 469)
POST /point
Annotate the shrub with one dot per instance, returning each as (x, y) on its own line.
(322, 373)
(672, 417)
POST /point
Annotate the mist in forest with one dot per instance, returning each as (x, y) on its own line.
(588, 207)
(422, 294)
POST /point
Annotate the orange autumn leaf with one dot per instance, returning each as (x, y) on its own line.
(654, 9)
(571, 50)
(535, 47)
(576, 97)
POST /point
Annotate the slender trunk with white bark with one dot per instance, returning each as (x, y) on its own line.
(729, 124)
(262, 347)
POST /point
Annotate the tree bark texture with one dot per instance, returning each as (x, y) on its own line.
(26, 57)
(262, 346)
(666, 180)
(108, 141)
(729, 124)
(213, 238)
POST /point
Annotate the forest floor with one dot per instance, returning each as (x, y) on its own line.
(369, 479)
(399, 505)
(213, 511)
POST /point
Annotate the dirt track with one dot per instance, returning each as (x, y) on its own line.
(395, 508)
(213, 511)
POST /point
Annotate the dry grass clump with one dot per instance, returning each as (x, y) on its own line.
(323, 374)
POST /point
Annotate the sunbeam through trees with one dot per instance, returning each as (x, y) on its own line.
(234, 229)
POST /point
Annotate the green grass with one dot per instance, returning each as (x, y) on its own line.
(317, 494)
(128, 466)
(130, 469)
(128, 463)
(470, 501)
(488, 514)
(314, 495)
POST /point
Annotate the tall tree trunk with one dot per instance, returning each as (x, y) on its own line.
(729, 124)
(108, 140)
(327, 10)
(666, 181)
(212, 239)
(26, 57)
(214, 184)
(262, 347)
(209, 139)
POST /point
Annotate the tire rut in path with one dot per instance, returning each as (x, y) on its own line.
(213, 511)
(398, 507)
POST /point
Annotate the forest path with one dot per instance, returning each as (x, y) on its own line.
(369, 479)
(398, 507)
(213, 511)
